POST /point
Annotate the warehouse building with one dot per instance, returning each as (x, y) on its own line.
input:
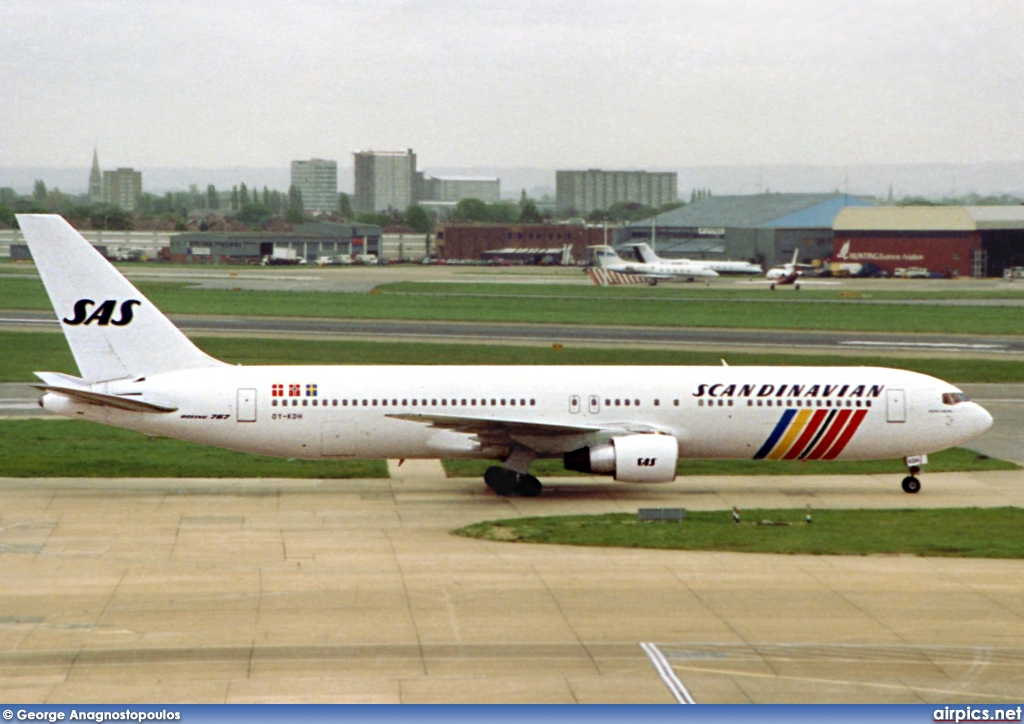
(763, 228)
(474, 241)
(974, 241)
(309, 242)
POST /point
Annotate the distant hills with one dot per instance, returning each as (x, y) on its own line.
(934, 180)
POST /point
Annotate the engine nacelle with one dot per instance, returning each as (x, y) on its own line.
(631, 459)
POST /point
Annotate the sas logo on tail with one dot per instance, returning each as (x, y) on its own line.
(103, 312)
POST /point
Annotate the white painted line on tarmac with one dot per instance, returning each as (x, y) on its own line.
(922, 345)
(666, 673)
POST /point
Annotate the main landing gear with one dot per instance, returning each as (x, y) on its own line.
(514, 478)
(910, 483)
(509, 483)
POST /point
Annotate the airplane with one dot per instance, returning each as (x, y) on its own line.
(609, 268)
(789, 273)
(138, 371)
(648, 256)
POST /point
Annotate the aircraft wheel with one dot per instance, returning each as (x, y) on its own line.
(911, 484)
(508, 483)
(772, 287)
(501, 481)
(528, 486)
(796, 287)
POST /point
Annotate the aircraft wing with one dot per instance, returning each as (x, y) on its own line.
(491, 431)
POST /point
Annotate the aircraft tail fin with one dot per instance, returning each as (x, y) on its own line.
(646, 253)
(113, 330)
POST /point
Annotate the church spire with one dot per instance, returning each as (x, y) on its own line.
(95, 179)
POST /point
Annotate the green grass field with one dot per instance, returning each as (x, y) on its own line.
(26, 352)
(60, 448)
(76, 448)
(947, 461)
(958, 532)
(539, 304)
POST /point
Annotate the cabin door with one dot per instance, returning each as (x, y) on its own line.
(895, 406)
(246, 409)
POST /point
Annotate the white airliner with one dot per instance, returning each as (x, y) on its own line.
(648, 256)
(138, 371)
(609, 268)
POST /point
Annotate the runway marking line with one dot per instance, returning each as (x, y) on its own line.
(667, 674)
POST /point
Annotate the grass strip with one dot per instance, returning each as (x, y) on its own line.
(60, 448)
(947, 461)
(952, 532)
(24, 353)
(763, 310)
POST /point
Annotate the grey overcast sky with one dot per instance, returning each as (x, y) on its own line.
(552, 83)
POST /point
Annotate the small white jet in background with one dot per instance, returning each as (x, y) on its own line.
(608, 268)
(648, 256)
(789, 274)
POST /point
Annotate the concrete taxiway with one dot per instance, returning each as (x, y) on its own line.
(140, 590)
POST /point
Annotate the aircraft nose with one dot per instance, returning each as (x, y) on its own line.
(980, 420)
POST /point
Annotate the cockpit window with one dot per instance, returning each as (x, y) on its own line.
(953, 398)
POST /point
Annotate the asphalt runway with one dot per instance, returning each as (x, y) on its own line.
(204, 591)
(725, 340)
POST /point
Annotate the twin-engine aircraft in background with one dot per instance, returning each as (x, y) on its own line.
(608, 268)
(790, 273)
(722, 267)
(138, 371)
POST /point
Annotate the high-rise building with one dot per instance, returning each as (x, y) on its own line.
(385, 180)
(453, 189)
(95, 180)
(586, 191)
(317, 180)
(122, 188)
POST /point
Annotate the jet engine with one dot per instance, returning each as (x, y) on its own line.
(645, 458)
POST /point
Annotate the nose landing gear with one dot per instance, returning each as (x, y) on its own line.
(910, 483)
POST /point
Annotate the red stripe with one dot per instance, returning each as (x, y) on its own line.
(858, 416)
(807, 436)
(833, 431)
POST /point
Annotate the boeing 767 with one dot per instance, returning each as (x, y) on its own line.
(136, 370)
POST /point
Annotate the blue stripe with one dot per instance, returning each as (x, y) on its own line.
(777, 433)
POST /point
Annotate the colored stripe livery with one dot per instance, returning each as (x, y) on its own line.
(811, 435)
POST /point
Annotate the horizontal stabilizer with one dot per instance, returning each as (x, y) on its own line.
(98, 398)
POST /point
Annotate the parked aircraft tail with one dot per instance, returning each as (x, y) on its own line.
(113, 330)
(646, 253)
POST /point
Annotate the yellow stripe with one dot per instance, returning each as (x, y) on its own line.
(795, 428)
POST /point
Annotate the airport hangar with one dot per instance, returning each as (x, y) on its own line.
(517, 242)
(762, 228)
(310, 241)
(978, 241)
